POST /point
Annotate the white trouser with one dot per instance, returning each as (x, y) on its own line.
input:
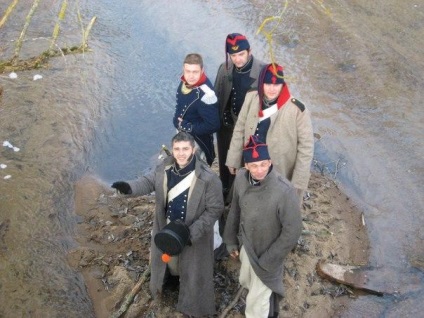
(173, 265)
(217, 239)
(257, 299)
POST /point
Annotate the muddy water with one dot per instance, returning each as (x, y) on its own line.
(356, 65)
(52, 121)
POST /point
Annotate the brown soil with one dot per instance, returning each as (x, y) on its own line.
(113, 234)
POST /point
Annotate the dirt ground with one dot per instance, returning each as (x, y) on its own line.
(113, 234)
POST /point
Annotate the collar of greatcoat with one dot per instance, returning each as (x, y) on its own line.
(282, 99)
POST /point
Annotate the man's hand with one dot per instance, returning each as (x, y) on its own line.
(232, 170)
(234, 254)
(122, 187)
(180, 122)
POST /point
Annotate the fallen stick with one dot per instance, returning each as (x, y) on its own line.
(232, 304)
(358, 277)
(130, 296)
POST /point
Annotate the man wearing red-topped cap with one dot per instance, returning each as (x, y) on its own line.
(196, 110)
(283, 122)
(262, 234)
(235, 77)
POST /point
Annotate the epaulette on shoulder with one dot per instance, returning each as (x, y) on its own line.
(298, 103)
(210, 96)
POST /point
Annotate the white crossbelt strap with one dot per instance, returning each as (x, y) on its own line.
(268, 112)
(181, 187)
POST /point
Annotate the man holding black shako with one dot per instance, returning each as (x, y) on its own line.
(263, 226)
(187, 191)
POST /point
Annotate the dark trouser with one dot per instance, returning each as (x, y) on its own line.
(205, 142)
(223, 137)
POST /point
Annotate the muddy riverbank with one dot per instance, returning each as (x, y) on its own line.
(114, 239)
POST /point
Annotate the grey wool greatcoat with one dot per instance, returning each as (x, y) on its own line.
(266, 220)
(223, 86)
(205, 205)
(223, 83)
(290, 138)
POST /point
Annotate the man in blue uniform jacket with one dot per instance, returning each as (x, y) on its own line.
(196, 111)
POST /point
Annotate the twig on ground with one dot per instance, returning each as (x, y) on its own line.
(130, 296)
(232, 304)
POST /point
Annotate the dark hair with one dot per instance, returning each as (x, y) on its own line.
(194, 58)
(183, 136)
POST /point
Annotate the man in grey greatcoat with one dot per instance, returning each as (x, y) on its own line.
(263, 226)
(187, 190)
(236, 76)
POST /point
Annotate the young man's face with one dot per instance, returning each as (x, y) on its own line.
(240, 59)
(271, 91)
(258, 169)
(182, 152)
(192, 73)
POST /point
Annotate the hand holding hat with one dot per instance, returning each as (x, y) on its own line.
(122, 187)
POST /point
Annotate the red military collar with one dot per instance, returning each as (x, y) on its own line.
(281, 100)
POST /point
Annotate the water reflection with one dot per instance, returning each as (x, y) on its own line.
(52, 120)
